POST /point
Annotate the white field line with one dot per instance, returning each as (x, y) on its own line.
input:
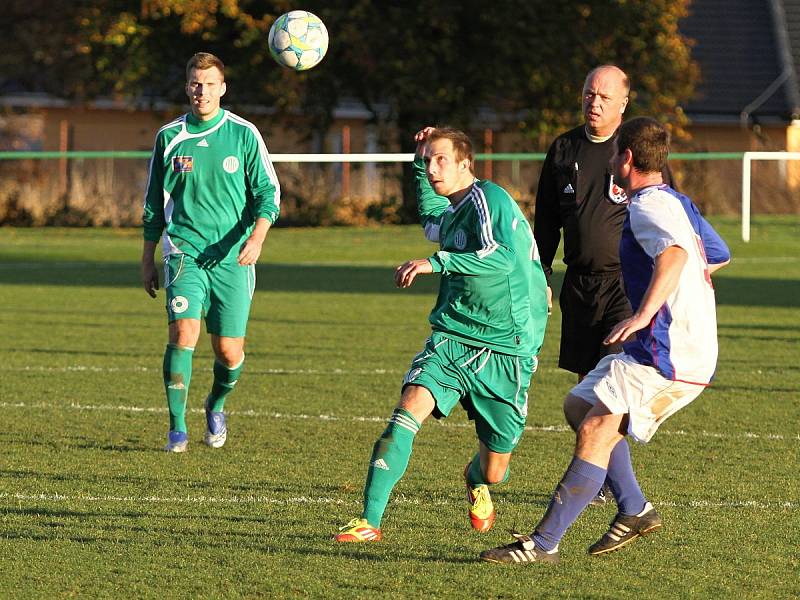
(139, 369)
(747, 435)
(327, 500)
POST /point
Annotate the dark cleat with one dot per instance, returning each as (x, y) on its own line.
(626, 528)
(524, 550)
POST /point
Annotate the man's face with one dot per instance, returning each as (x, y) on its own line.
(604, 101)
(205, 87)
(445, 172)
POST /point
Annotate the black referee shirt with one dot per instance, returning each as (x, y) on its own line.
(576, 193)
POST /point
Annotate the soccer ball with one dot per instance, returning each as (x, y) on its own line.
(298, 40)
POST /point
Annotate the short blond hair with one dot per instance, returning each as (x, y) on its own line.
(204, 60)
(462, 145)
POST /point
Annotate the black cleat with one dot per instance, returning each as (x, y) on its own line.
(626, 528)
(524, 550)
(604, 496)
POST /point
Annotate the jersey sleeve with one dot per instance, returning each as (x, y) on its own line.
(547, 217)
(153, 218)
(715, 248)
(658, 221)
(430, 205)
(262, 180)
(493, 226)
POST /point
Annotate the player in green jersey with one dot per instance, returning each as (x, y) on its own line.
(212, 195)
(488, 325)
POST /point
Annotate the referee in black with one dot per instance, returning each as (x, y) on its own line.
(577, 194)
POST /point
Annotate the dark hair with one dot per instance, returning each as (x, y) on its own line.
(648, 141)
(462, 145)
(204, 60)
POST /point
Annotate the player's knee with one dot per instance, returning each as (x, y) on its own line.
(418, 401)
(590, 432)
(231, 359)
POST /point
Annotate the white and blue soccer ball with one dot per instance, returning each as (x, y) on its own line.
(298, 40)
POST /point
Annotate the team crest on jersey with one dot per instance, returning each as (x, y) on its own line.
(460, 239)
(615, 193)
(182, 164)
(230, 164)
(179, 304)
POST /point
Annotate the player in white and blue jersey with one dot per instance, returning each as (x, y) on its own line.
(668, 253)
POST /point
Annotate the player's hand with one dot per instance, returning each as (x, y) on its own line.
(420, 138)
(149, 277)
(549, 300)
(626, 328)
(405, 274)
(250, 252)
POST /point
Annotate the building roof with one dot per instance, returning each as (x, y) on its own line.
(748, 52)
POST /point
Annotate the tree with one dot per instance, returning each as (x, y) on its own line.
(411, 64)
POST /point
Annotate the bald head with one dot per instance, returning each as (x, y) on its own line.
(605, 96)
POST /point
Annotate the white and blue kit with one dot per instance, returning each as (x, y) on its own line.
(667, 364)
(681, 342)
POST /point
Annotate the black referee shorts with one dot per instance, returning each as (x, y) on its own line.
(591, 304)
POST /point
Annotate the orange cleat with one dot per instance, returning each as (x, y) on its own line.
(481, 509)
(358, 530)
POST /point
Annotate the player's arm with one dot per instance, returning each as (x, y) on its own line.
(716, 250)
(547, 218)
(153, 220)
(266, 193)
(666, 276)
(430, 205)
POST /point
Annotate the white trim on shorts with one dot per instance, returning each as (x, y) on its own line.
(625, 386)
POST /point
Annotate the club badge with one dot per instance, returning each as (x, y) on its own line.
(460, 239)
(615, 193)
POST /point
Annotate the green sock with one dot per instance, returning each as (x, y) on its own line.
(474, 475)
(177, 375)
(388, 463)
(225, 379)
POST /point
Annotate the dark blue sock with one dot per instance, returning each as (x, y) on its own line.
(576, 489)
(622, 480)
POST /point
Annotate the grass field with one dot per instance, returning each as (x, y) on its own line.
(90, 506)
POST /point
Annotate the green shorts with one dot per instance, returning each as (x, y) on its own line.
(492, 387)
(222, 294)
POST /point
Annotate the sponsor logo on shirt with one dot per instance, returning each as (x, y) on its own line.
(230, 164)
(569, 189)
(202, 143)
(182, 164)
(615, 193)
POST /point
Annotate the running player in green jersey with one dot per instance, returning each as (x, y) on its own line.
(212, 195)
(488, 325)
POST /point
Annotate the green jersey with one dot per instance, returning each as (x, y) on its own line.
(493, 289)
(209, 181)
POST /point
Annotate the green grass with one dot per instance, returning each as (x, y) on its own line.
(90, 507)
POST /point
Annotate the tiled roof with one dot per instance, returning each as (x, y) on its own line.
(740, 55)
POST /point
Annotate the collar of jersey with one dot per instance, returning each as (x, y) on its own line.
(195, 125)
(467, 197)
(648, 189)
